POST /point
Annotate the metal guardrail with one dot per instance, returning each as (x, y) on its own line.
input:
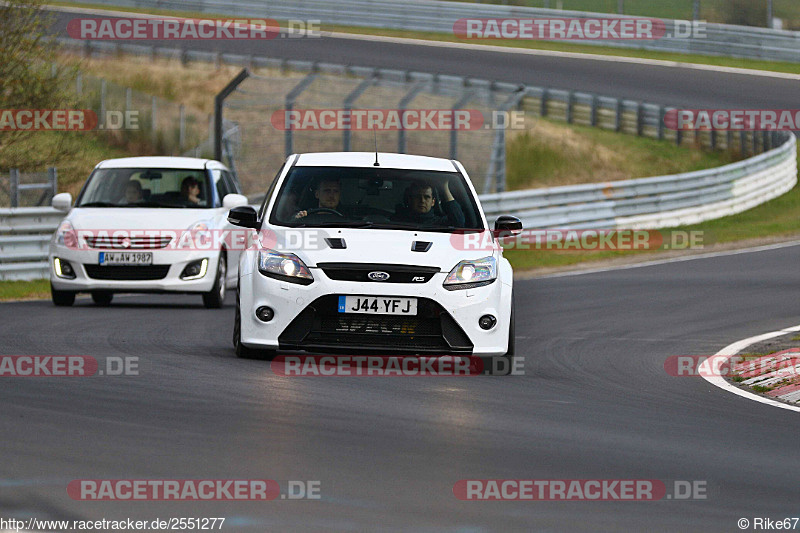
(651, 203)
(439, 16)
(25, 234)
(657, 202)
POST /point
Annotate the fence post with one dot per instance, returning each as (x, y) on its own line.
(348, 106)
(153, 117)
(103, 89)
(593, 119)
(52, 175)
(713, 139)
(640, 119)
(543, 103)
(570, 105)
(13, 178)
(402, 106)
(289, 100)
(465, 98)
(182, 127)
(661, 114)
(618, 115)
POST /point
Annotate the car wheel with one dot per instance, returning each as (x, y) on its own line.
(243, 351)
(214, 298)
(502, 366)
(102, 298)
(62, 298)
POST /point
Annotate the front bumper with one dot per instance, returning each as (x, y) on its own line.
(305, 316)
(163, 275)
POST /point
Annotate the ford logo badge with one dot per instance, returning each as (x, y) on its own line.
(378, 276)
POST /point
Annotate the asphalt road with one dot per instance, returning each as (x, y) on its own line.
(594, 402)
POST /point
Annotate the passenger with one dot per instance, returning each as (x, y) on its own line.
(190, 189)
(419, 202)
(133, 192)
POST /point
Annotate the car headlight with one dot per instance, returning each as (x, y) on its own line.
(199, 234)
(469, 274)
(284, 266)
(65, 235)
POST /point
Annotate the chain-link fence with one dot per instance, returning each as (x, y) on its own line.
(259, 104)
(27, 189)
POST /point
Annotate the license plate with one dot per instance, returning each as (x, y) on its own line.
(126, 258)
(378, 305)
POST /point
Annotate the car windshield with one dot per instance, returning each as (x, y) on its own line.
(147, 187)
(375, 198)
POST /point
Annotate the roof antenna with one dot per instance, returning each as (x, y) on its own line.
(375, 133)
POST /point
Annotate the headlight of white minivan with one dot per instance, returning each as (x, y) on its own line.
(286, 267)
(469, 274)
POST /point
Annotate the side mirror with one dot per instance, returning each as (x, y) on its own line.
(243, 216)
(233, 200)
(62, 201)
(506, 225)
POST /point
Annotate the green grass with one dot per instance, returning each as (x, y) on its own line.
(779, 217)
(774, 66)
(22, 290)
(556, 154)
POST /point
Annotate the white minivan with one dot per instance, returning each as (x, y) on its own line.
(147, 224)
(366, 252)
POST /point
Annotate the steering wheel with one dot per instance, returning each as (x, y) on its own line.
(316, 210)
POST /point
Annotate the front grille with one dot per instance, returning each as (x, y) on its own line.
(128, 243)
(321, 327)
(360, 272)
(140, 273)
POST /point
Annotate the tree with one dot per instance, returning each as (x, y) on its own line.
(29, 76)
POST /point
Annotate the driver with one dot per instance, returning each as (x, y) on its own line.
(328, 194)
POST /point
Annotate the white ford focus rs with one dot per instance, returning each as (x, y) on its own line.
(365, 252)
(147, 224)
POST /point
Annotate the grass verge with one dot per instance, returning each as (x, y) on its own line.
(24, 290)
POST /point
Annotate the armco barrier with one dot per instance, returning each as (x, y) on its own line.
(657, 202)
(439, 16)
(24, 237)
(651, 203)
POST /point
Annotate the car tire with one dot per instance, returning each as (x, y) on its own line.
(491, 365)
(242, 351)
(102, 298)
(62, 298)
(214, 298)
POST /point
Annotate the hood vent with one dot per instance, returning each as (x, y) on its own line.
(421, 246)
(336, 243)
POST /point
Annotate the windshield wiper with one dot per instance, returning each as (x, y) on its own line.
(350, 224)
(156, 204)
(98, 204)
